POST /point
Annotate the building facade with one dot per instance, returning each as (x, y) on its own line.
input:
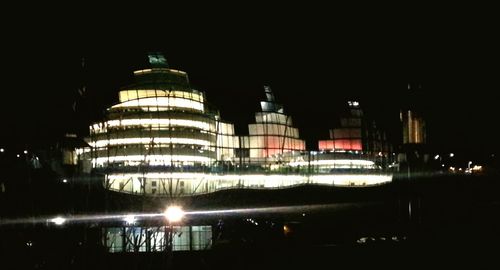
(272, 138)
(357, 137)
(162, 138)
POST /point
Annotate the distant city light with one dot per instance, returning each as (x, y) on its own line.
(65, 181)
(2, 150)
(353, 103)
(18, 155)
(436, 157)
(452, 155)
(477, 168)
(174, 214)
(25, 151)
(58, 221)
(130, 219)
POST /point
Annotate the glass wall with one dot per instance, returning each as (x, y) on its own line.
(272, 136)
(153, 239)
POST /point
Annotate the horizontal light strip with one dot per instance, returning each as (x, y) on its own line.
(158, 122)
(275, 180)
(162, 102)
(158, 69)
(152, 159)
(148, 141)
(336, 162)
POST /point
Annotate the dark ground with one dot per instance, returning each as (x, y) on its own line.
(454, 222)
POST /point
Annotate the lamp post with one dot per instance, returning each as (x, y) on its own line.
(173, 215)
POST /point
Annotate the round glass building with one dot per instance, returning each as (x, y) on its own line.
(160, 133)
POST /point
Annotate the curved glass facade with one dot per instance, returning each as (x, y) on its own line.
(160, 124)
(272, 139)
(163, 138)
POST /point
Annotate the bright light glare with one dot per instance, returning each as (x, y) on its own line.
(65, 181)
(25, 151)
(174, 214)
(2, 150)
(452, 155)
(58, 220)
(130, 219)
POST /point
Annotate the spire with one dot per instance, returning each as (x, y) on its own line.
(157, 60)
(270, 105)
(269, 93)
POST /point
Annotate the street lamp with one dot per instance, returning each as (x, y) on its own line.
(173, 214)
(58, 221)
(130, 219)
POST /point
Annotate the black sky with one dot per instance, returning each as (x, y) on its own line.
(313, 67)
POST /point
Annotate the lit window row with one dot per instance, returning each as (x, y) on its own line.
(164, 102)
(337, 163)
(273, 142)
(267, 117)
(128, 95)
(155, 122)
(146, 141)
(346, 144)
(272, 129)
(153, 160)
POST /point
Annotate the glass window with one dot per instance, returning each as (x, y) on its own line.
(201, 237)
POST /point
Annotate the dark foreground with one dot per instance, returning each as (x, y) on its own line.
(439, 222)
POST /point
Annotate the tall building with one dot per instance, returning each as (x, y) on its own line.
(414, 155)
(272, 138)
(413, 123)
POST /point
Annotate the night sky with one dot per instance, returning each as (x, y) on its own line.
(312, 68)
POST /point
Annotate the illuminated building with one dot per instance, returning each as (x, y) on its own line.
(161, 126)
(163, 139)
(414, 153)
(413, 123)
(413, 127)
(272, 138)
(356, 137)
